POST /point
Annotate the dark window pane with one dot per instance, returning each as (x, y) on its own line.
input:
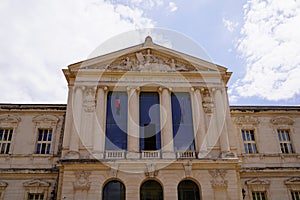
(40, 135)
(183, 132)
(48, 149)
(116, 121)
(151, 190)
(45, 135)
(188, 190)
(114, 190)
(38, 149)
(7, 148)
(49, 135)
(149, 121)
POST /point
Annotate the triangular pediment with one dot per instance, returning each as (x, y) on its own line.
(36, 183)
(148, 57)
(293, 180)
(257, 181)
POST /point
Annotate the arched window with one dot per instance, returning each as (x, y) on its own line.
(114, 190)
(188, 190)
(151, 190)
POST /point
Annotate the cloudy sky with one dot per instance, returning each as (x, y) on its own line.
(258, 40)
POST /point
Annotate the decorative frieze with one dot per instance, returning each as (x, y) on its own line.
(82, 180)
(208, 103)
(151, 170)
(218, 176)
(246, 120)
(89, 101)
(188, 168)
(283, 120)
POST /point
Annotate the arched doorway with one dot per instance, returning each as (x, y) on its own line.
(188, 190)
(114, 190)
(151, 190)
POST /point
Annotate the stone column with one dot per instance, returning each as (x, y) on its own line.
(220, 112)
(77, 112)
(99, 124)
(166, 124)
(133, 130)
(69, 119)
(199, 124)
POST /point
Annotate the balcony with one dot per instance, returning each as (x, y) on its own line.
(115, 154)
(186, 154)
(150, 154)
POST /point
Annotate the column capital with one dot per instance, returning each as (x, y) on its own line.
(165, 88)
(103, 87)
(129, 88)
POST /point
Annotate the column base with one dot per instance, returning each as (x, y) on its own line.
(227, 155)
(97, 155)
(168, 155)
(133, 155)
(203, 154)
(72, 155)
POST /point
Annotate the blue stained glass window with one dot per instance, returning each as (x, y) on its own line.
(149, 121)
(116, 121)
(183, 132)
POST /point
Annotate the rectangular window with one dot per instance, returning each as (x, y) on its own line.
(5, 140)
(295, 195)
(116, 121)
(259, 196)
(149, 121)
(182, 121)
(44, 141)
(285, 141)
(35, 196)
(249, 141)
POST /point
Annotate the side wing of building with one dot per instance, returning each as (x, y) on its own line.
(30, 146)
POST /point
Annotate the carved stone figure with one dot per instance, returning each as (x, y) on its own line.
(82, 180)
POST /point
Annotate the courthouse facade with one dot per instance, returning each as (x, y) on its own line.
(149, 123)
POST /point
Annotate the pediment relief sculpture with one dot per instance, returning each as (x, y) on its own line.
(146, 60)
(282, 120)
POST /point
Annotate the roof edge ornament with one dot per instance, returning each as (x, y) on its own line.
(148, 41)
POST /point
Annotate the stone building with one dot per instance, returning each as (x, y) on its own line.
(148, 122)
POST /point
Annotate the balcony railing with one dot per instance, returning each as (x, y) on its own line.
(186, 154)
(115, 154)
(150, 154)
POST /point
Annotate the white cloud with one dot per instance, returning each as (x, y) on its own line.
(147, 4)
(172, 7)
(230, 25)
(38, 39)
(269, 43)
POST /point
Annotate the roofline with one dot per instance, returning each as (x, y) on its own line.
(63, 106)
(264, 108)
(11, 106)
(142, 44)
